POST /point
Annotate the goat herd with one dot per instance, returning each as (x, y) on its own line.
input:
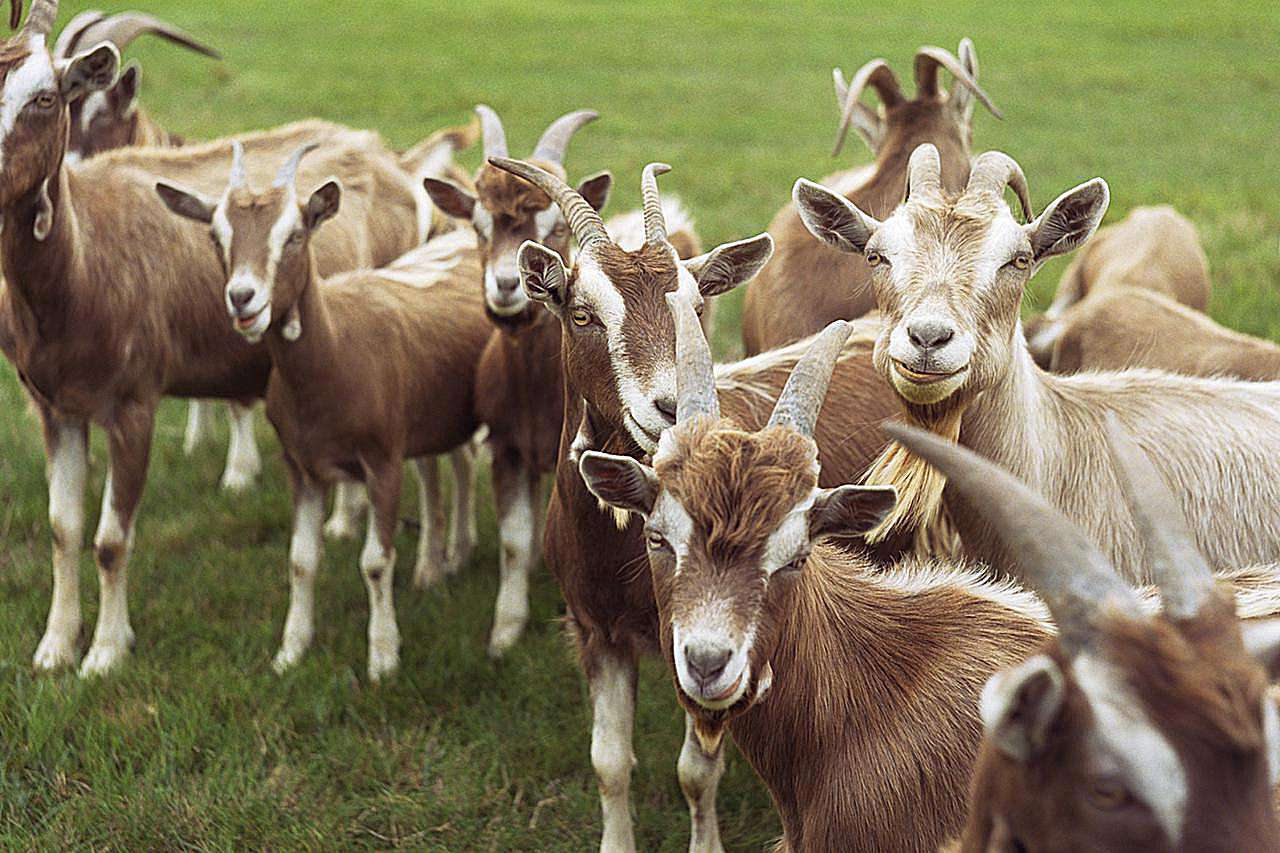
(899, 562)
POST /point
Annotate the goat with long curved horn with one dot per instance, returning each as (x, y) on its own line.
(586, 224)
(554, 142)
(655, 224)
(878, 75)
(695, 371)
(492, 132)
(90, 28)
(801, 399)
(1054, 556)
(992, 172)
(1177, 566)
(40, 21)
(930, 59)
(289, 171)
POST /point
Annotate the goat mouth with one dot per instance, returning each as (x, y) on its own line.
(247, 321)
(925, 377)
(723, 699)
(645, 437)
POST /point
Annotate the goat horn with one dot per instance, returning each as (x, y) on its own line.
(495, 138)
(586, 224)
(91, 28)
(655, 224)
(555, 139)
(289, 171)
(1177, 566)
(15, 13)
(929, 59)
(695, 373)
(993, 171)
(40, 21)
(806, 387)
(878, 75)
(924, 172)
(239, 178)
(1054, 556)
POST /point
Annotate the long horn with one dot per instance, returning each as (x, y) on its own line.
(806, 387)
(44, 13)
(91, 28)
(289, 171)
(495, 138)
(878, 75)
(924, 172)
(1177, 566)
(239, 178)
(1054, 556)
(929, 59)
(555, 139)
(695, 371)
(586, 224)
(15, 13)
(993, 171)
(655, 224)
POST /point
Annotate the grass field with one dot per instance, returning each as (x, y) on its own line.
(196, 743)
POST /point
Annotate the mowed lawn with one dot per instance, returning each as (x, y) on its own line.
(196, 742)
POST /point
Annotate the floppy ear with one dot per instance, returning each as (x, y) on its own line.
(323, 205)
(730, 264)
(1069, 220)
(847, 510)
(832, 218)
(595, 189)
(1020, 704)
(542, 274)
(1262, 640)
(91, 71)
(450, 198)
(125, 92)
(619, 481)
(185, 203)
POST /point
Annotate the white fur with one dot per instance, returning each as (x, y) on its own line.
(790, 537)
(243, 460)
(699, 776)
(518, 531)
(94, 103)
(113, 636)
(305, 550)
(432, 552)
(34, 75)
(711, 623)
(377, 564)
(68, 469)
(613, 716)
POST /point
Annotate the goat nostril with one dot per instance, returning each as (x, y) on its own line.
(508, 285)
(240, 297)
(928, 334)
(666, 406)
(707, 664)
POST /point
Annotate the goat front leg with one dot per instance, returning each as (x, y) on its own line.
(462, 524)
(431, 565)
(67, 453)
(306, 549)
(129, 440)
(514, 490)
(199, 425)
(349, 505)
(699, 774)
(612, 680)
(244, 463)
(377, 565)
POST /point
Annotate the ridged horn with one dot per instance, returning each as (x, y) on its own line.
(239, 177)
(878, 75)
(495, 138)
(555, 139)
(695, 370)
(586, 224)
(929, 59)
(924, 173)
(40, 21)
(90, 28)
(288, 173)
(993, 171)
(655, 224)
(806, 388)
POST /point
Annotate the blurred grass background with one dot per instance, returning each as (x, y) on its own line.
(195, 743)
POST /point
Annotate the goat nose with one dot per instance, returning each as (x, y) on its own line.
(928, 334)
(507, 284)
(666, 407)
(707, 662)
(241, 296)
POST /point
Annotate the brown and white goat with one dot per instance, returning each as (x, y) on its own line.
(1153, 248)
(949, 271)
(1130, 730)
(806, 285)
(618, 361)
(369, 369)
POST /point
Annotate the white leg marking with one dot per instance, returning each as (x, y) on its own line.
(431, 564)
(243, 461)
(305, 551)
(462, 524)
(377, 564)
(68, 467)
(113, 636)
(199, 425)
(349, 504)
(699, 775)
(515, 560)
(613, 715)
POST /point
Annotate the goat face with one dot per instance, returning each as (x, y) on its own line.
(106, 120)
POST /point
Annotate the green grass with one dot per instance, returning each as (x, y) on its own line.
(195, 742)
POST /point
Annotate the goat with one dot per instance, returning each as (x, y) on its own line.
(1130, 730)
(1154, 248)
(369, 369)
(949, 273)
(618, 365)
(806, 285)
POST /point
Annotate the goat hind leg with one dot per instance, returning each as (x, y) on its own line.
(431, 565)
(306, 549)
(244, 463)
(349, 505)
(377, 565)
(462, 523)
(199, 425)
(612, 682)
(66, 447)
(514, 490)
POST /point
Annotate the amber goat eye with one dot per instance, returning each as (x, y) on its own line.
(46, 100)
(1109, 795)
(655, 541)
(581, 317)
(874, 258)
(1021, 262)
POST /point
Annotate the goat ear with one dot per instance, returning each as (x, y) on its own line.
(847, 510)
(1020, 704)
(1069, 220)
(730, 264)
(1262, 640)
(542, 274)
(619, 481)
(450, 198)
(91, 71)
(323, 205)
(595, 189)
(185, 203)
(125, 92)
(832, 218)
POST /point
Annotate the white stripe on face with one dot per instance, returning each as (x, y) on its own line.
(544, 222)
(790, 538)
(35, 74)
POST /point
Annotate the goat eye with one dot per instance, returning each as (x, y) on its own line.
(581, 317)
(656, 541)
(46, 100)
(1020, 261)
(875, 259)
(1109, 795)
(796, 564)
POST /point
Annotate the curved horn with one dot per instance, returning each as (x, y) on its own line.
(1054, 556)
(555, 139)
(238, 177)
(878, 75)
(695, 371)
(15, 13)
(495, 138)
(586, 224)
(655, 224)
(924, 172)
(91, 28)
(44, 13)
(806, 387)
(1177, 566)
(929, 59)
(289, 171)
(993, 171)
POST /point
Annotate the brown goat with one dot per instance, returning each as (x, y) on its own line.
(1153, 248)
(1129, 730)
(370, 369)
(806, 285)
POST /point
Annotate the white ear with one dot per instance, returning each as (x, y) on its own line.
(1018, 705)
(832, 218)
(292, 329)
(1069, 220)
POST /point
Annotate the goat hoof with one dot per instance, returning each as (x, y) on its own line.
(237, 482)
(383, 665)
(55, 651)
(504, 637)
(104, 657)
